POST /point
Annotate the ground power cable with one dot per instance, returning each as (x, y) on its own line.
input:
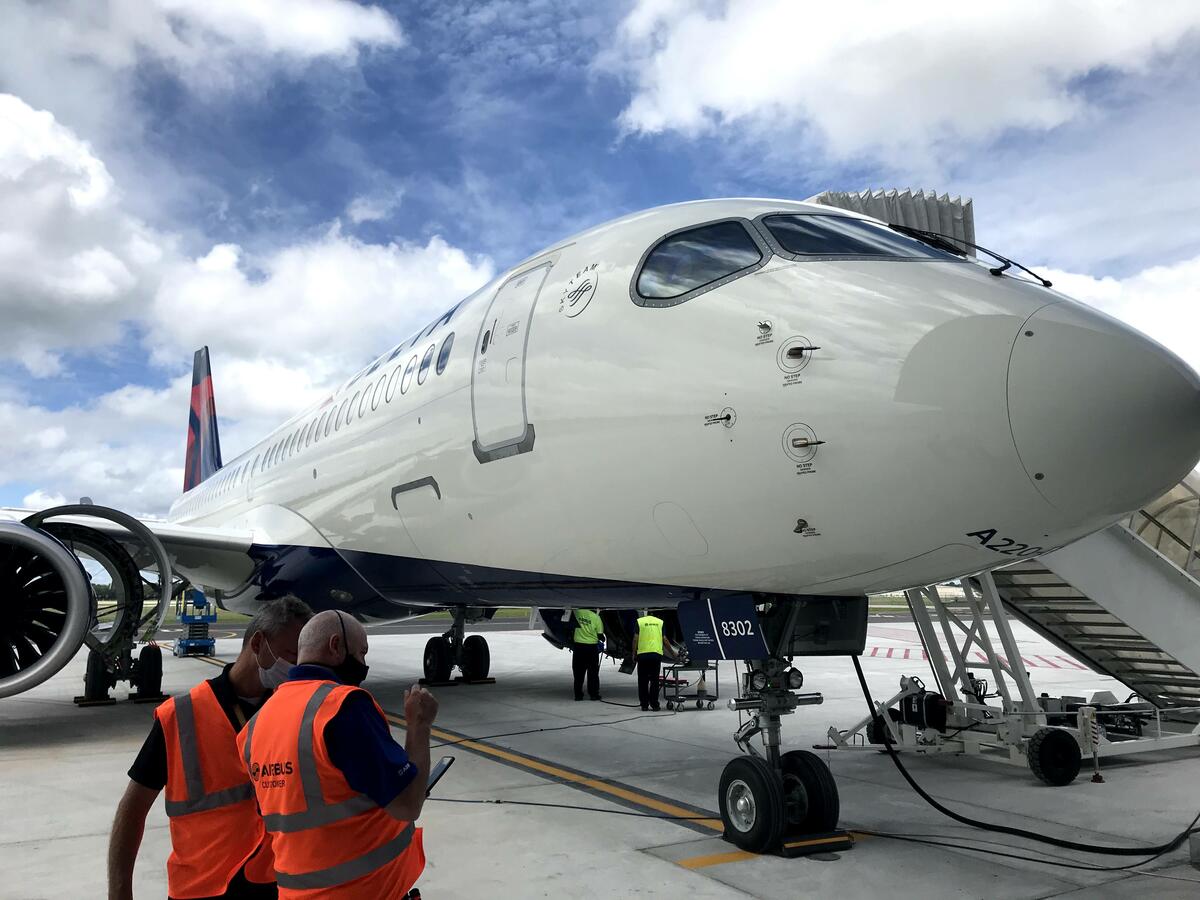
(1024, 857)
(1153, 852)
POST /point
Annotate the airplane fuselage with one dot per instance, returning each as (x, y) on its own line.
(814, 425)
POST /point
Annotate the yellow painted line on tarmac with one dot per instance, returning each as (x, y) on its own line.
(716, 859)
(814, 842)
(594, 784)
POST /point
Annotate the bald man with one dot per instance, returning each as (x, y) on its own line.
(338, 794)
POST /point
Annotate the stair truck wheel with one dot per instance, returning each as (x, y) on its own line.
(1054, 756)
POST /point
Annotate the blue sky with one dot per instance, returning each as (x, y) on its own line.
(170, 166)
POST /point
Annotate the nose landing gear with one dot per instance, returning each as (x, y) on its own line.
(771, 801)
(469, 653)
(768, 798)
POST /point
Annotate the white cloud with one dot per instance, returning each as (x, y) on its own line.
(881, 79)
(117, 454)
(202, 39)
(283, 328)
(39, 499)
(81, 58)
(373, 207)
(1162, 302)
(73, 264)
(332, 302)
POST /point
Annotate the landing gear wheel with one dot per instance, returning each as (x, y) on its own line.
(476, 658)
(96, 679)
(148, 678)
(437, 659)
(1054, 756)
(751, 801)
(810, 794)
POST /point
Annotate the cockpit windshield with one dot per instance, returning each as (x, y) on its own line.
(695, 258)
(815, 234)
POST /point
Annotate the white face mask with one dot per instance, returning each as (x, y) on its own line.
(277, 674)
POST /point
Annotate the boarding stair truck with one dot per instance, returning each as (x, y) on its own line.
(1125, 601)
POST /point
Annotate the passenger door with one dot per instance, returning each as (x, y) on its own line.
(502, 426)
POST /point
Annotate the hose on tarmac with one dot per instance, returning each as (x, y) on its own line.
(1152, 852)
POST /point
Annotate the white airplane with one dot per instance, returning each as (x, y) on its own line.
(724, 397)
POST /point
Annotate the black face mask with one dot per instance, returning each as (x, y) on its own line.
(350, 670)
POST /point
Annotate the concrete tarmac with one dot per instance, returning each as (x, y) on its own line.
(62, 770)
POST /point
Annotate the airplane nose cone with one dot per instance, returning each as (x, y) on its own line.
(1103, 418)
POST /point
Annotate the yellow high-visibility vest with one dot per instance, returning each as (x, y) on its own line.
(650, 636)
(587, 627)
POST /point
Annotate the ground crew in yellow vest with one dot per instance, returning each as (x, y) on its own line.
(219, 847)
(649, 643)
(585, 653)
(339, 797)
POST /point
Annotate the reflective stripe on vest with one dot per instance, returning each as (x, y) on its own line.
(189, 751)
(650, 635)
(348, 871)
(318, 813)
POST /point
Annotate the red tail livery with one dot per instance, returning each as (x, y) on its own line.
(203, 441)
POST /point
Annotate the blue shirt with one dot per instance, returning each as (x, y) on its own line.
(360, 743)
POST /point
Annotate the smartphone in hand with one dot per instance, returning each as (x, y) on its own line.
(437, 772)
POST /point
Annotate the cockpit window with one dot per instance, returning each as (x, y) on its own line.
(831, 235)
(696, 258)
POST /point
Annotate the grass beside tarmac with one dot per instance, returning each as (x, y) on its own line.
(879, 604)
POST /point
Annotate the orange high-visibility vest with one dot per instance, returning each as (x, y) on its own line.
(329, 840)
(214, 821)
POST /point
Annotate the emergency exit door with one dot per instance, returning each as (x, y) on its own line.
(502, 426)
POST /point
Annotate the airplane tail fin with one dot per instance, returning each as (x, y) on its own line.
(203, 441)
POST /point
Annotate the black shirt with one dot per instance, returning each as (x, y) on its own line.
(150, 768)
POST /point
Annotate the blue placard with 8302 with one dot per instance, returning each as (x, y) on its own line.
(722, 628)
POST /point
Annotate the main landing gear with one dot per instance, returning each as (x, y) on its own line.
(773, 802)
(454, 648)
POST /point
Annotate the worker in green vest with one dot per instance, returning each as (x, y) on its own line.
(649, 643)
(585, 653)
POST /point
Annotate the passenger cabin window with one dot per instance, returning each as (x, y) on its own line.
(696, 258)
(377, 397)
(444, 353)
(391, 385)
(831, 235)
(426, 362)
(406, 380)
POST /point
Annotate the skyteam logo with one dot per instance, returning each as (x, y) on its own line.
(579, 291)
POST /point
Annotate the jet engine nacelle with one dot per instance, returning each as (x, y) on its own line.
(46, 607)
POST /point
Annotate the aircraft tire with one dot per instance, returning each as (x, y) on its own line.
(437, 659)
(96, 678)
(751, 802)
(1054, 756)
(149, 671)
(810, 794)
(476, 658)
